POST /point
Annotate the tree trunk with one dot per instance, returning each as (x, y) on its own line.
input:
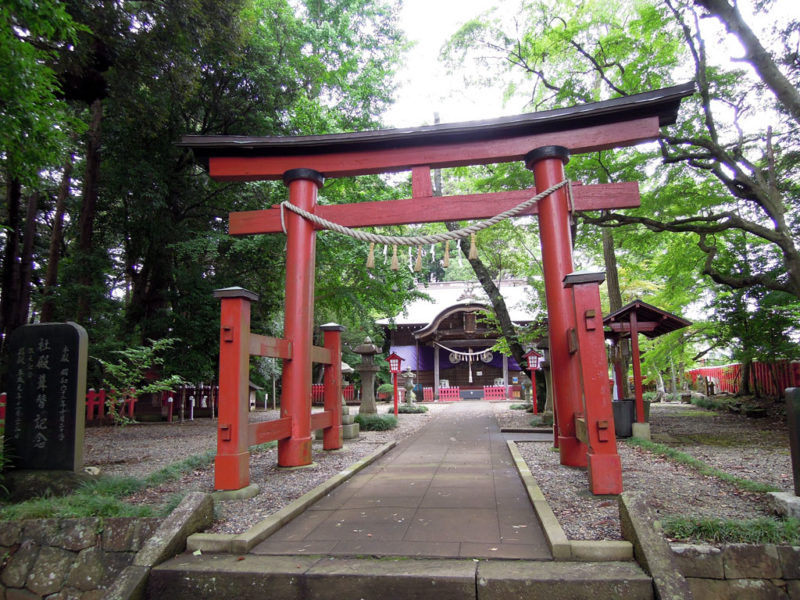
(622, 352)
(507, 328)
(56, 239)
(10, 289)
(26, 262)
(89, 210)
(744, 387)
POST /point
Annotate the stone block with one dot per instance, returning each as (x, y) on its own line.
(20, 564)
(751, 561)
(695, 560)
(790, 561)
(50, 570)
(78, 534)
(502, 580)
(67, 594)
(793, 589)
(355, 578)
(348, 419)
(350, 432)
(89, 570)
(143, 530)
(10, 533)
(117, 534)
(784, 503)
(736, 589)
(14, 594)
(195, 513)
(41, 531)
(130, 585)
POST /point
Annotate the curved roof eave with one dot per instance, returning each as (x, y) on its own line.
(662, 103)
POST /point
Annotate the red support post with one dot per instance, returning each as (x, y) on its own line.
(232, 464)
(605, 467)
(303, 184)
(533, 391)
(395, 393)
(547, 164)
(637, 368)
(332, 436)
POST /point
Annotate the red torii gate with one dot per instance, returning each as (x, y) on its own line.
(544, 141)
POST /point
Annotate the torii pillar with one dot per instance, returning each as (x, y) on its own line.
(547, 164)
(301, 237)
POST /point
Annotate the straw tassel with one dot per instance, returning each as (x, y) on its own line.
(446, 260)
(371, 257)
(395, 263)
(473, 250)
(418, 263)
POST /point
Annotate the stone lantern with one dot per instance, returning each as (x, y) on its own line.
(367, 370)
(408, 384)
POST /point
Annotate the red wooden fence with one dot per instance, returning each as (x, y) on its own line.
(494, 392)
(766, 379)
(449, 394)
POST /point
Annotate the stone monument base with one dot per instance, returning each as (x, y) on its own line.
(26, 484)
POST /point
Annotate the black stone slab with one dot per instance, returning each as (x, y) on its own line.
(46, 396)
(793, 416)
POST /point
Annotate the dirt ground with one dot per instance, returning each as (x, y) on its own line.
(756, 449)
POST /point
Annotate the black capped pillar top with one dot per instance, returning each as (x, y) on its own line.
(545, 152)
(309, 174)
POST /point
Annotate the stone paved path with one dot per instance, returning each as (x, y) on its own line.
(450, 491)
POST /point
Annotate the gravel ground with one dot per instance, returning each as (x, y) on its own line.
(139, 450)
(751, 448)
(755, 449)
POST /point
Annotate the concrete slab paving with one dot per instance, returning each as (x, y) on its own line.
(451, 491)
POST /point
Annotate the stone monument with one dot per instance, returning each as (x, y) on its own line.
(367, 370)
(45, 409)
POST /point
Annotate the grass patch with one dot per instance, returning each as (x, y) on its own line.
(412, 409)
(701, 467)
(518, 406)
(720, 404)
(103, 497)
(764, 530)
(695, 413)
(376, 422)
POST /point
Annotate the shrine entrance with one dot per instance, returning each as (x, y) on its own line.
(584, 425)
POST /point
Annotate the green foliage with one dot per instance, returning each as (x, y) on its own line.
(409, 409)
(527, 407)
(763, 530)
(376, 422)
(34, 123)
(131, 376)
(386, 388)
(701, 467)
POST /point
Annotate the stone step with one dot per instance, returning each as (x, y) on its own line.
(302, 577)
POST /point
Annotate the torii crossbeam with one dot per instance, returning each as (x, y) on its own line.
(544, 141)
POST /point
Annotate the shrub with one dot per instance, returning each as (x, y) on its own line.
(528, 407)
(408, 409)
(376, 422)
(385, 389)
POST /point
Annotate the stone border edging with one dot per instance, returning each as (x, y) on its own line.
(195, 512)
(561, 547)
(640, 525)
(243, 542)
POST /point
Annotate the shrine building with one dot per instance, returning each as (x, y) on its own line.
(447, 344)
